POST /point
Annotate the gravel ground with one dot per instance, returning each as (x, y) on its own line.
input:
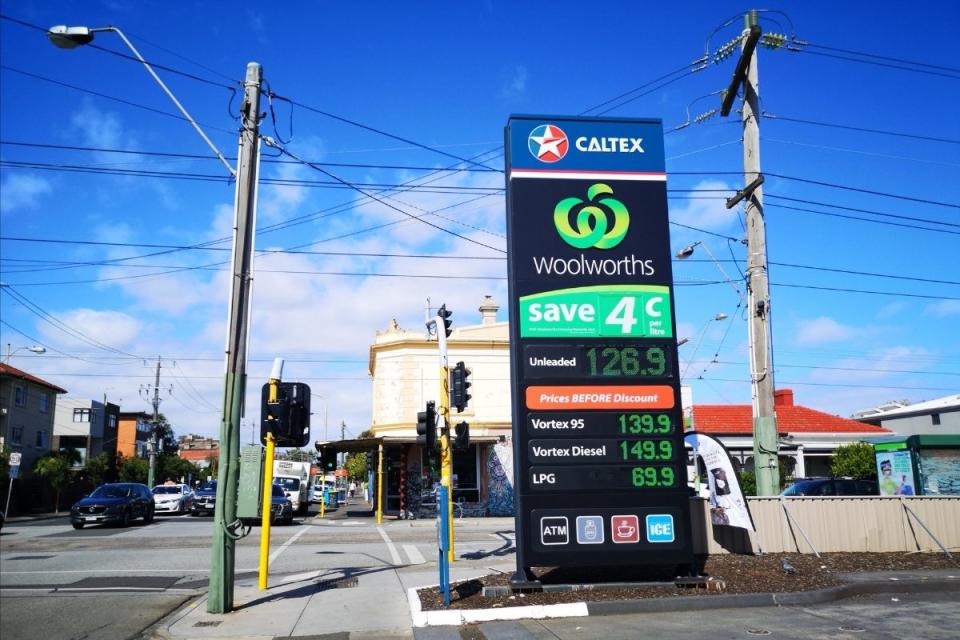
(736, 573)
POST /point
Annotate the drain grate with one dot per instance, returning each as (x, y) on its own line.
(340, 583)
(31, 557)
(207, 623)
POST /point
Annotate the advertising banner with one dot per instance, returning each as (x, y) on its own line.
(727, 505)
(895, 473)
(599, 464)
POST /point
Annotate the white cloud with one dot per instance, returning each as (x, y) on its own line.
(945, 308)
(711, 214)
(22, 191)
(824, 330)
(515, 83)
(113, 328)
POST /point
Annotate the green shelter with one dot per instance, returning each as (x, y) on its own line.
(917, 465)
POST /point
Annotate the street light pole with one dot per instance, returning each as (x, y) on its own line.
(223, 550)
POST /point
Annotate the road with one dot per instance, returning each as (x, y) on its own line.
(110, 582)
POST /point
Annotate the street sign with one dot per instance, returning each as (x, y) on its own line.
(600, 467)
(15, 459)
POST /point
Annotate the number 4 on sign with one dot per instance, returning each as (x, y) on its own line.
(623, 315)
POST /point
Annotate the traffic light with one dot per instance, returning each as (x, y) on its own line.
(427, 427)
(328, 460)
(445, 316)
(459, 384)
(289, 417)
(462, 439)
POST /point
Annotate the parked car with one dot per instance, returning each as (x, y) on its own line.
(281, 509)
(117, 503)
(172, 498)
(832, 487)
(204, 499)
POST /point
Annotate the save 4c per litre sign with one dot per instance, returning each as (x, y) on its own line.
(600, 468)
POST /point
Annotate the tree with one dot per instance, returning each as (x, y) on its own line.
(166, 438)
(356, 466)
(98, 467)
(56, 468)
(175, 468)
(855, 460)
(133, 469)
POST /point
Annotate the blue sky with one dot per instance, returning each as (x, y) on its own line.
(447, 75)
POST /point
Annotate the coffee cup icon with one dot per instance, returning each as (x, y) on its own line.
(625, 530)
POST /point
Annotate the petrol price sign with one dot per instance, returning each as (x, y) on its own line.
(600, 468)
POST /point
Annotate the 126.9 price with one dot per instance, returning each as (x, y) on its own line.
(645, 423)
(653, 477)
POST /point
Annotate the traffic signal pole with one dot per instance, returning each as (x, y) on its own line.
(225, 524)
(443, 425)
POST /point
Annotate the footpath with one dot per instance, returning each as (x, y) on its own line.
(381, 602)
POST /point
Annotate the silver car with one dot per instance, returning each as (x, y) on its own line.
(172, 498)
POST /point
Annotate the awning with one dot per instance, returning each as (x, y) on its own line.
(367, 444)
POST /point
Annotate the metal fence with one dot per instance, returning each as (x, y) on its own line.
(835, 524)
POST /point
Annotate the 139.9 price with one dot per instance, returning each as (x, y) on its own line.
(645, 423)
(646, 449)
(653, 477)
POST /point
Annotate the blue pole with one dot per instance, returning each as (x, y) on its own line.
(444, 546)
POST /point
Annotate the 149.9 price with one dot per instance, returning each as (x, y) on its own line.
(646, 449)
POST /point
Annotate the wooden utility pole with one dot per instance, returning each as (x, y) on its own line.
(758, 286)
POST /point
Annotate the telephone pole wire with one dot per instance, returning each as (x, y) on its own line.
(226, 527)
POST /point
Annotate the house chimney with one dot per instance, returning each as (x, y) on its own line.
(783, 398)
(488, 310)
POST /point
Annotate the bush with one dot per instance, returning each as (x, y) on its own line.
(855, 460)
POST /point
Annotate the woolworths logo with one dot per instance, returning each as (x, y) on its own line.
(593, 219)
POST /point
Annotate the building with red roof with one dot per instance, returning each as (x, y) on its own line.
(27, 408)
(808, 436)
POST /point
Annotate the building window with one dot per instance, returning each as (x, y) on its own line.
(16, 436)
(112, 421)
(19, 396)
(42, 440)
(935, 419)
(81, 415)
(43, 402)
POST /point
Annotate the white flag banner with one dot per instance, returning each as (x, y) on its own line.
(727, 506)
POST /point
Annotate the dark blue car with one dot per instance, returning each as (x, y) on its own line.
(117, 503)
(205, 499)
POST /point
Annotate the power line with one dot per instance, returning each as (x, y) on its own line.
(198, 156)
(877, 63)
(833, 185)
(848, 127)
(33, 340)
(858, 218)
(872, 154)
(836, 384)
(127, 56)
(878, 293)
(113, 98)
(881, 57)
(52, 320)
(828, 368)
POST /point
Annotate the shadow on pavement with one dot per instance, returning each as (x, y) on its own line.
(334, 579)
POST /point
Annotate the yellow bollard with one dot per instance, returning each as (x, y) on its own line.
(266, 512)
(380, 483)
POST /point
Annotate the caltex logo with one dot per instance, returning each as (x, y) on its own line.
(594, 227)
(548, 143)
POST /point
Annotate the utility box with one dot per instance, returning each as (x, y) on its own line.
(250, 489)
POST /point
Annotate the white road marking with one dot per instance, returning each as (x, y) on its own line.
(285, 545)
(394, 556)
(415, 556)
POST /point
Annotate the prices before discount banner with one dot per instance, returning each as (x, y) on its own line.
(600, 465)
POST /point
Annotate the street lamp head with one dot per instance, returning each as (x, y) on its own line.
(720, 316)
(682, 341)
(66, 37)
(37, 349)
(687, 251)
